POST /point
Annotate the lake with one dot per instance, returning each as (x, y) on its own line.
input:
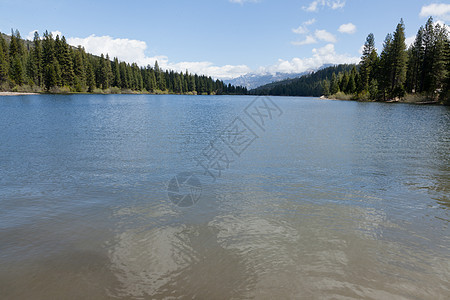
(219, 197)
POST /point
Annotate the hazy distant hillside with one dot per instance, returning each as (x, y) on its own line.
(307, 85)
(251, 81)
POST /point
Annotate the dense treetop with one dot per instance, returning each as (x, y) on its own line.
(49, 64)
(421, 70)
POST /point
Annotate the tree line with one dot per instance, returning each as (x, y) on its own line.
(50, 64)
(308, 85)
(422, 70)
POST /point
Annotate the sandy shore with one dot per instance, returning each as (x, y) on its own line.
(16, 94)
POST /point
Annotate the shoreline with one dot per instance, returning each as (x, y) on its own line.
(422, 102)
(17, 94)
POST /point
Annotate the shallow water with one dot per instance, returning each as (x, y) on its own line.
(324, 200)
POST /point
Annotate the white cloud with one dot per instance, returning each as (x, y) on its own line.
(439, 10)
(208, 68)
(319, 35)
(361, 49)
(135, 51)
(443, 25)
(310, 22)
(309, 40)
(337, 4)
(316, 4)
(410, 40)
(325, 36)
(56, 32)
(347, 28)
(30, 35)
(321, 56)
(312, 6)
(125, 49)
(302, 29)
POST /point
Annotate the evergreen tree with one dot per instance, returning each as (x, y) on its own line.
(399, 60)
(51, 63)
(427, 63)
(160, 78)
(79, 70)
(439, 57)
(191, 84)
(344, 82)
(368, 63)
(334, 86)
(415, 63)
(90, 78)
(116, 71)
(4, 60)
(17, 71)
(123, 75)
(326, 87)
(16, 57)
(386, 67)
(65, 61)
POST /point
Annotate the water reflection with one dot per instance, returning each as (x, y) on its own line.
(336, 200)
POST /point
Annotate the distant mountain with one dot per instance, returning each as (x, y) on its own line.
(252, 80)
(310, 84)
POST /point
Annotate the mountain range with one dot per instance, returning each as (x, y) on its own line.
(254, 80)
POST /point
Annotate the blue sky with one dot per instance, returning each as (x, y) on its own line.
(223, 38)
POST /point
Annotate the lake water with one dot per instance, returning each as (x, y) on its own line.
(219, 197)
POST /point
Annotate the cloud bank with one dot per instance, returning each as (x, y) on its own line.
(320, 57)
(317, 4)
(347, 28)
(130, 51)
(439, 10)
(302, 29)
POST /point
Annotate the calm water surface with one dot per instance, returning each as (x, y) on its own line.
(333, 200)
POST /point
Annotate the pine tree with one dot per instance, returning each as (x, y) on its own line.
(90, 78)
(351, 86)
(439, 71)
(66, 63)
(326, 87)
(415, 63)
(191, 83)
(17, 71)
(51, 63)
(4, 60)
(160, 78)
(16, 58)
(368, 63)
(117, 82)
(399, 59)
(427, 63)
(108, 71)
(123, 75)
(37, 57)
(334, 86)
(344, 82)
(79, 70)
(386, 67)
(151, 81)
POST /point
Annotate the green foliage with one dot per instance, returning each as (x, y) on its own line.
(423, 69)
(4, 60)
(369, 63)
(314, 84)
(52, 64)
